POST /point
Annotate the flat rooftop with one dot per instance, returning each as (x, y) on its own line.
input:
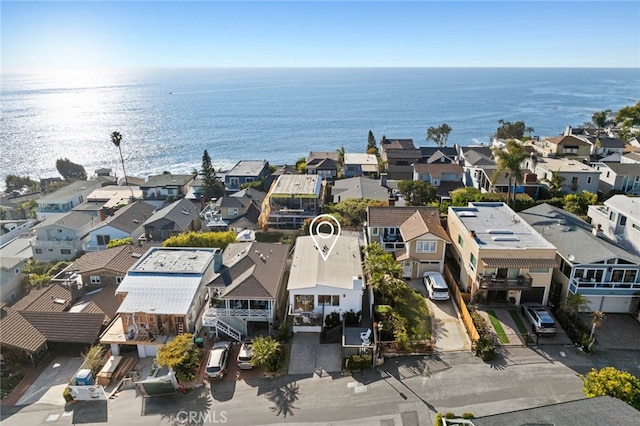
(298, 185)
(498, 227)
(564, 165)
(247, 168)
(626, 204)
(166, 260)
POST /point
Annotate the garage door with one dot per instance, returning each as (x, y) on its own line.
(535, 294)
(610, 304)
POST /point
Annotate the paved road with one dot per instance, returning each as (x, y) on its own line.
(403, 391)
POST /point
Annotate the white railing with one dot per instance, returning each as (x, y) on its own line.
(75, 243)
(224, 312)
(222, 326)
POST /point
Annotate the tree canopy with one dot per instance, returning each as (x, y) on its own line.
(16, 183)
(510, 160)
(201, 239)
(439, 134)
(180, 356)
(352, 212)
(509, 130)
(117, 242)
(417, 192)
(212, 187)
(70, 170)
(372, 147)
(601, 118)
(628, 116)
(611, 381)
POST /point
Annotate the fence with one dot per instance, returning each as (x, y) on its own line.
(412, 346)
(462, 306)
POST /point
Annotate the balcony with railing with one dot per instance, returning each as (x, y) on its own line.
(492, 282)
(595, 287)
(253, 310)
(72, 243)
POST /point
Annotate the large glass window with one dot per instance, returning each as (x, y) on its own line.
(624, 275)
(473, 262)
(329, 300)
(303, 302)
(103, 240)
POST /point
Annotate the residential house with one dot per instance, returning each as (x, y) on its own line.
(445, 177)
(318, 288)
(357, 188)
(62, 237)
(473, 159)
(163, 295)
(398, 155)
(565, 146)
(606, 273)
(106, 201)
(623, 177)
(280, 170)
(47, 318)
(12, 229)
(178, 217)
(13, 257)
(357, 164)
(630, 158)
(489, 180)
(12, 204)
(323, 164)
(245, 172)
(444, 154)
(248, 293)
(127, 222)
(606, 145)
(166, 187)
(414, 234)
(501, 257)
(619, 221)
(238, 211)
(105, 268)
(66, 198)
(576, 176)
(291, 200)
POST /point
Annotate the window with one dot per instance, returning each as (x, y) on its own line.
(574, 180)
(624, 275)
(623, 220)
(375, 231)
(635, 226)
(612, 216)
(103, 240)
(17, 271)
(119, 280)
(65, 251)
(460, 241)
(303, 302)
(233, 212)
(332, 300)
(473, 262)
(589, 179)
(234, 182)
(38, 251)
(171, 191)
(538, 270)
(249, 179)
(94, 279)
(426, 246)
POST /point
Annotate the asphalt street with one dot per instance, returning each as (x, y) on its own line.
(403, 391)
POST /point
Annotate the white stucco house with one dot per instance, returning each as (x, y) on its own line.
(318, 288)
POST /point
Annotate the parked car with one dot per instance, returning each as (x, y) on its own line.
(218, 360)
(244, 356)
(540, 319)
(436, 286)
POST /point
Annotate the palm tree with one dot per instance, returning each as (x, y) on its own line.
(596, 319)
(574, 302)
(383, 272)
(510, 161)
(266, 353)
(116, 138)
(555, 183)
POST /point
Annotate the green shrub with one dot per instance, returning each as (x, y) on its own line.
(66, 394)
(332, 320)
(450, 415)
(358, 362)
(438, 420)
(352, 318)
(468, 416)
(284, 333)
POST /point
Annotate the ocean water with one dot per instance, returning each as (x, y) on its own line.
(168, 117)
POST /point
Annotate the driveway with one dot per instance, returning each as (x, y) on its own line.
(48, 387)
(308, 355)
(449, 334)
(617, 332)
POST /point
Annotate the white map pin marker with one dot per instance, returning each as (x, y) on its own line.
(325, 241)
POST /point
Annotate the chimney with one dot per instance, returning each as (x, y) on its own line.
(392, 201)
(473, 234)
(201, 202)
(217, 260)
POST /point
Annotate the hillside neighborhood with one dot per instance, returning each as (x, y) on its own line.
(536, 238)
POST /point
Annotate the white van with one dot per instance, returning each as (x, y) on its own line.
(436, 286)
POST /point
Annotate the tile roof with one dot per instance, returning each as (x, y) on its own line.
(388, 217)
(437, 169)
(252, 270)
(66, 326)
(117, 259)
(131, 217)
(403, 153)
(18, 332)
(478, 158)
(570, 235)
(43, 299)
(102, 301)
(167, 179)
(397, 143)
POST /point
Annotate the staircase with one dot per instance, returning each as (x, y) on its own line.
(228, 330)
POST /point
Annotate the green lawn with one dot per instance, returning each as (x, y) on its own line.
(411, 305)
(497, 326)
(521, 327)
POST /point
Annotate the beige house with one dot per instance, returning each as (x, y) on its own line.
(413, 234)
(566, 146)
(501, 257)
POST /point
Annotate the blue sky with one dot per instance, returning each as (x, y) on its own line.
(320, 34)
